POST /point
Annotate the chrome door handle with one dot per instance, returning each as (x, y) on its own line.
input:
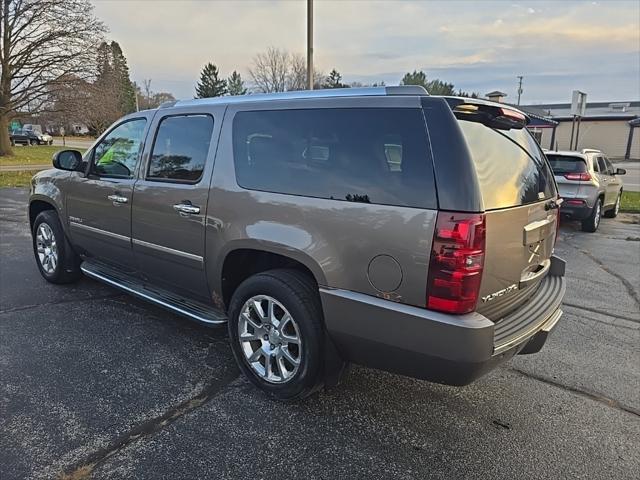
(185, 209)
(118, 199)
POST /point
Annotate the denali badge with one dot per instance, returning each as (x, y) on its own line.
(499, 293)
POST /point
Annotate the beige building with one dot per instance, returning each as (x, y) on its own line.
(613, 127)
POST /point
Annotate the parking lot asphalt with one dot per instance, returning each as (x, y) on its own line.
(96, 384)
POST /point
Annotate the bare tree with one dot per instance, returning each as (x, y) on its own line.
(270, 70)
(297, 74)
(42, 41)
(277, 70)
(147, 89)
(150, 99)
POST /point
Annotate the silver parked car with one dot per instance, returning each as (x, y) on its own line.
(589, 184)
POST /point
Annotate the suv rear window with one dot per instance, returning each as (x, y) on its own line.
(367, 155)
(510, 166)
(561, 164)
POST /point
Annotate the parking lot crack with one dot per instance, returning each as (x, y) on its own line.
(85, 468)
(59, 302)
(600, 312)
(627, 284)
(598, 397)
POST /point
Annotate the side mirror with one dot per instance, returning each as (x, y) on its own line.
(69, 160)
(620, 171)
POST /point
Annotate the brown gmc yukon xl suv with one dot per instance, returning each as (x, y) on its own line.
(380, 226)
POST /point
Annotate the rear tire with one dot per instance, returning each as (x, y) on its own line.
(33, 142)
(613, 213)
(56, 260)
(268, 354)
(591, 223)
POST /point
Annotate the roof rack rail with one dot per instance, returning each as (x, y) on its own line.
(323, 93)
(590, 150)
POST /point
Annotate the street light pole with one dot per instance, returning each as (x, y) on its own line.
(519, 77)
(310, 44)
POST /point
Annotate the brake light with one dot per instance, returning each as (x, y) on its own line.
(578, 176)
(575, 202)
(517, 116)
(457, 260)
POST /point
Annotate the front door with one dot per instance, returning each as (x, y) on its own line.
(169, 212)
(605, 180)
(99, 204)
(613, 187)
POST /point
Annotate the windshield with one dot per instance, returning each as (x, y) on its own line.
(561, 164)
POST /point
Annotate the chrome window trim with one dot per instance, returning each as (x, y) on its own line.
(172, 251)
(106, 233)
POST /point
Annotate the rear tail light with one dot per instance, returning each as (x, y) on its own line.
(574, 202)
(578, 176)
(457, 260)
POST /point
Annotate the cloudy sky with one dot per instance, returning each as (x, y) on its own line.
(558, 46)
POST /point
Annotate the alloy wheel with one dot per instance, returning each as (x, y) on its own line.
(270, 339)
(47, 248)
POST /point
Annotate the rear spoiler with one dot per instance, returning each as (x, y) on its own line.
(494, 115)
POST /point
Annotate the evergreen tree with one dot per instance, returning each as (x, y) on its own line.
(334, 80)
(415, 78)
(210, 85)
(235, 84)
(124, 86)
(434, 87)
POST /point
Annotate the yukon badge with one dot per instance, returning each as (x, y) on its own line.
(499, 293)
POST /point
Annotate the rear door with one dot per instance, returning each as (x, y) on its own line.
(518, 193)
(169, 211)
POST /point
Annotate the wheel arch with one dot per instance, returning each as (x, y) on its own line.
(38, 205)
(243, 259)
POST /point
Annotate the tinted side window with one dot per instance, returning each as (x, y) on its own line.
(118, 153)
(368, 155)
(180, 149)
(610, 168)
(510, 166)
(594, 160)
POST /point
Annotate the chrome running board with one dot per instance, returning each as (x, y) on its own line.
(189, 308)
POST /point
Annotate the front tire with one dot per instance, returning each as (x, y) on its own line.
(591, 223)
(277, 334)
(56, 260)
(613, 213)
(33, 142)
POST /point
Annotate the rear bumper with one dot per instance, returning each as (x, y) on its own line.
(449, 349)
(575, 212)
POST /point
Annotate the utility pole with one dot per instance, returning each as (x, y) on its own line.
(519, 77)
(310, 44)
